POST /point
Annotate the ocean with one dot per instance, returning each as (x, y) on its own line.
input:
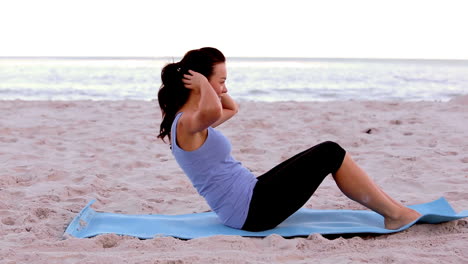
(253, 79)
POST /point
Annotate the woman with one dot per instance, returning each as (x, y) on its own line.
(193, 99)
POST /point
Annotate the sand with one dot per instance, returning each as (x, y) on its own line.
(57, 156)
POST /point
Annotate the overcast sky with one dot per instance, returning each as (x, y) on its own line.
(287, 28)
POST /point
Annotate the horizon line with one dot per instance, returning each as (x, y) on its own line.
(281, 58)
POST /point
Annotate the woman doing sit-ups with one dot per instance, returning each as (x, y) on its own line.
(194, 100)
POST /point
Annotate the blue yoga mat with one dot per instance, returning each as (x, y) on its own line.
(89, 223)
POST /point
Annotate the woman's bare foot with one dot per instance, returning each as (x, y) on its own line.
(406, 216)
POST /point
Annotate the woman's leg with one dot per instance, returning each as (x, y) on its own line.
(287, 187)
(358, 186)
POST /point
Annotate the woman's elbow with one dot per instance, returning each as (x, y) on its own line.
(212, 114)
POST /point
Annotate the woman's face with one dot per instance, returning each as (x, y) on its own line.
(218, 79)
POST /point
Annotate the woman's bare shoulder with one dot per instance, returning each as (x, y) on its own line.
(186, 139)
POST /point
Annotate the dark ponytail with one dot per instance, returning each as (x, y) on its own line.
(172, 94)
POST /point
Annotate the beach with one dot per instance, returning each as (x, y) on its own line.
(56, 156)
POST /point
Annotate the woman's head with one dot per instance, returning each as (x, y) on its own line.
(172, 94)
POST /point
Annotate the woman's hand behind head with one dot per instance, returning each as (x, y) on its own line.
(194, 80)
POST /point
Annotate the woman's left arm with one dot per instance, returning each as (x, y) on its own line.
(230, 108)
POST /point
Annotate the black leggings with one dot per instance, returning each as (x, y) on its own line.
(287, 187)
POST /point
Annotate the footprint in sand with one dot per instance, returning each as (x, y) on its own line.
(360, 142)
(8, 221)
(24, 178)
(137, 164)
(153, 200)
(78, 179)
(55, 175)
(396, 122)
(252, 151)
(108, 241)
(414, 120)
(61, 149)
(49, 197)
(43, 213)
(447, 153)
(101, 176)
(8, 140)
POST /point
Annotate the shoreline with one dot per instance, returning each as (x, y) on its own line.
(460, 99)
(58, 155)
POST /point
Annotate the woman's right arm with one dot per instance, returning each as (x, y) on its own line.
(209, 108)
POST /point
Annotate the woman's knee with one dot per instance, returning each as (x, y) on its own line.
(331, 146)
(334, 153)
